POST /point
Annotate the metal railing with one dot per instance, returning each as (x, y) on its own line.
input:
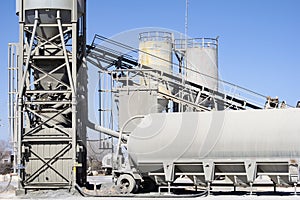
(181, 44)
(228, 93)
(152, 79)
(156, 36)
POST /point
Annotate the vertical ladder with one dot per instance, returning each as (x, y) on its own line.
(12, 97)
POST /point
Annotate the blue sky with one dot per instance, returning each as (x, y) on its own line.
(259, 39)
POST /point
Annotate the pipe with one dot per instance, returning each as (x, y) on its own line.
(122, 129)
(107, 131)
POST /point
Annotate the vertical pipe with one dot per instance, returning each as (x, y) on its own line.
(111, 112)
(85, 85)
(112, 122)
(15, 128)
(13, 106)
(107, 110)
(217, 60)
(19, 97)
(73, 77)
(100, 112)
(74, 113)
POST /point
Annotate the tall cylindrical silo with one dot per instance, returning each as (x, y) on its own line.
(155, 56)
(156, 50)
(202, 62)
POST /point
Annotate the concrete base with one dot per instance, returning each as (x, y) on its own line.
(20, 192)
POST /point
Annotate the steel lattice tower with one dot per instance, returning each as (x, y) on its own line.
(52, 94)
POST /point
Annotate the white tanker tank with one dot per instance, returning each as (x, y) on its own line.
(205, 145)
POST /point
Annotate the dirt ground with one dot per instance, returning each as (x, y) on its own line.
(7, 191)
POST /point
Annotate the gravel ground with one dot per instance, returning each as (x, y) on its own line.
(107, 188)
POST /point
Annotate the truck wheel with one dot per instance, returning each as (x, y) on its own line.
(148, 185)
(107, 171)
(126, 184)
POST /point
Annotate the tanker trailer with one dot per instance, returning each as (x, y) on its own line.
(203, 146)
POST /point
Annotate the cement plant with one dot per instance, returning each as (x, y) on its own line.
(168, 125)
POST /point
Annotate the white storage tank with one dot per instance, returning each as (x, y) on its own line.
(156, 50)
(202, 61)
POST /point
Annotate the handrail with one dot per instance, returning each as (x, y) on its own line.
(175, 82)
(227, 86)
(181, 44)
(156, 36)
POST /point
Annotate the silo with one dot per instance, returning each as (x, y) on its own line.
(47, 13)
(202, 62)
(156, 50)
(52, 108)
(155, 54)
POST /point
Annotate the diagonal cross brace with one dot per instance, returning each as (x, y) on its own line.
(48, 74)
(48, 119)
(30, 131)
(49, 163)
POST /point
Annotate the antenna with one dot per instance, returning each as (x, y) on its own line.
(186, 21)
(185, 46)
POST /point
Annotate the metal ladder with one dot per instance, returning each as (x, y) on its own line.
(12, 96)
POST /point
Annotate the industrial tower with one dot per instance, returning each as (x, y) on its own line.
(50, 127)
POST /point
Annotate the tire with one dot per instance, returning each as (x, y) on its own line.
(148, 185)
(126, 184)
(108, 171)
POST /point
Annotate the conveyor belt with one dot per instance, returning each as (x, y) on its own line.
(104, 58)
